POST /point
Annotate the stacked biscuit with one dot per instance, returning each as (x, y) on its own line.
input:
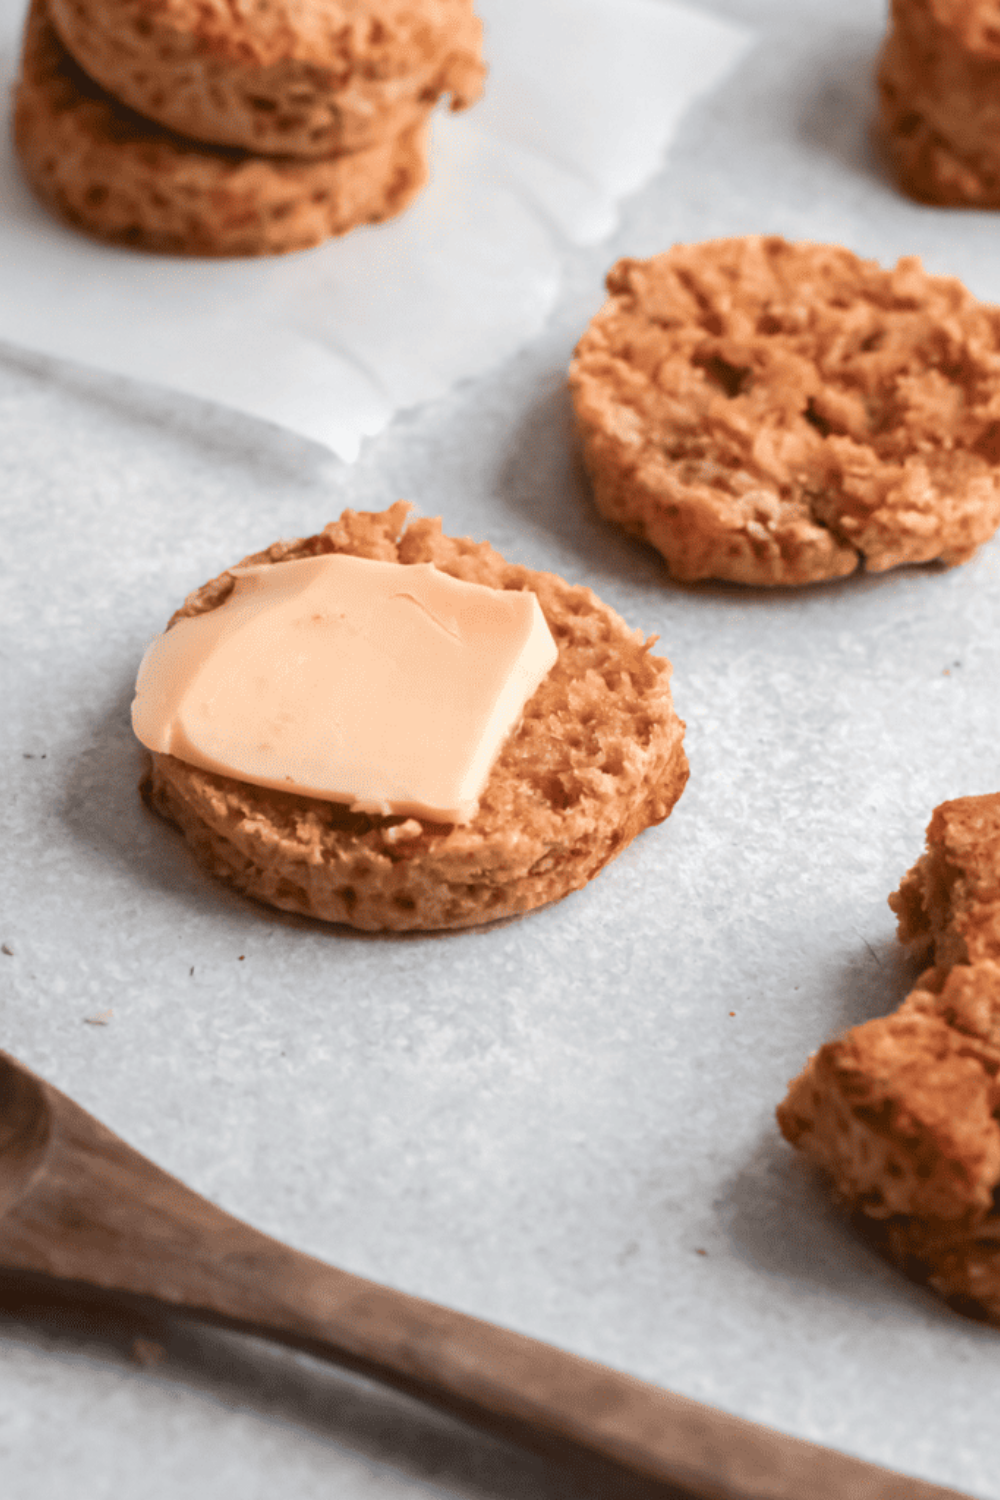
(236, 127)
(939, 89)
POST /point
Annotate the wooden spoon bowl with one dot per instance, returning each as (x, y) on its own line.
(80, 1208)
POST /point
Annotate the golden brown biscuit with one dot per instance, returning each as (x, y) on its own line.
(776, 413)
(948, 905)
(903, 1113)
(939, 100)
(107, 171)
(597, 758)
(291, 77)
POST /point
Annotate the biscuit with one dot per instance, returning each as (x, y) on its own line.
(775, 413)
(903, 1113)
(290, 77)
(597, 758)
(939, 100)
(114, 175)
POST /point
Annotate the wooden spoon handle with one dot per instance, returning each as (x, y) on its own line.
(97, 1213)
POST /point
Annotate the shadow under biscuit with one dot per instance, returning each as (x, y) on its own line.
(779, 1218)
(101, 807)
(875, 981)
(837, 104)
(542, 479)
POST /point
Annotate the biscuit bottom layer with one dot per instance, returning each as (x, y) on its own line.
(597, 758)
(108, 171)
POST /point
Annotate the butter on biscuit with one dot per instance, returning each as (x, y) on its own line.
(388, 687)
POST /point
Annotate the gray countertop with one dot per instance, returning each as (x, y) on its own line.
(563, 1124)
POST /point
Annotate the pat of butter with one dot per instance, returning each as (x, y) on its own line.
(389, 686)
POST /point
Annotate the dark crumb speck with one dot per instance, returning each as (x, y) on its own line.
(4, 948)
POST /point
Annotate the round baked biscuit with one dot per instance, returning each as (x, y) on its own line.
(107, 171)
(939, 100)
(291, 77)
(775, 413)
(597, 758)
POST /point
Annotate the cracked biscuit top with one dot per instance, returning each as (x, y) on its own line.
(776, 413)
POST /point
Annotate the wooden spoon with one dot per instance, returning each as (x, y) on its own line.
(79, 1205)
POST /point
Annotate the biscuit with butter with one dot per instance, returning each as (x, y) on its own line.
(596, 758)
(115, 175)
(777, 413)
(903, 1113)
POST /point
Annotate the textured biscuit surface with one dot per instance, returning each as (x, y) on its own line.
(597, 758)
(903, 1113)
(292, 77)
(776, 413)
(110, 173)
(939, 100)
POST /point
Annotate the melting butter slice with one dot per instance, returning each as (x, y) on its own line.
(389, 686)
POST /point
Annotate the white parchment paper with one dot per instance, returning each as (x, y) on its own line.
(583, 99)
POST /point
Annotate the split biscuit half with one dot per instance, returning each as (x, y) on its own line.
(903, 1113)
(776, 413)
(284, 77)
(597, 758)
